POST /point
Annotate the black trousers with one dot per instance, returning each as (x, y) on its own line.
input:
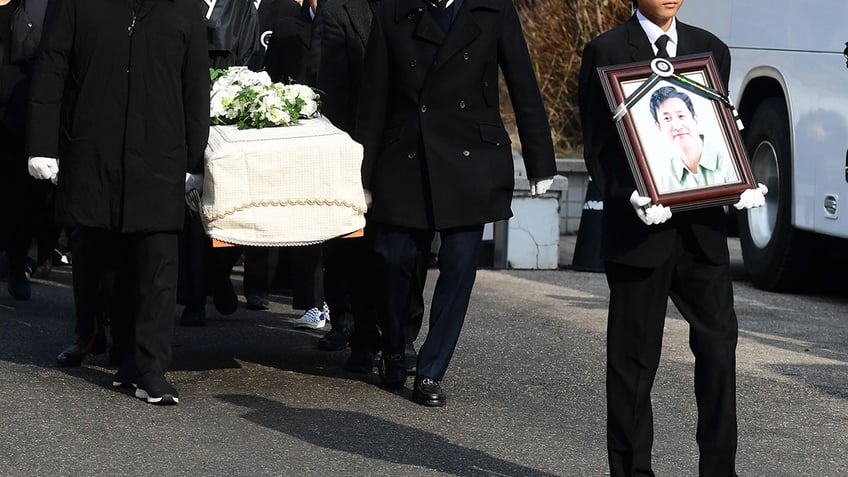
(260, 266)
(145, 270)
(307, 277)
(703, 294)
(203, 269)
(397, 250)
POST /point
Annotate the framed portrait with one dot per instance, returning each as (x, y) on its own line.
(679, 131)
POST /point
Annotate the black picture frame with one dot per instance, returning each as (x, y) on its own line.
(659, 129)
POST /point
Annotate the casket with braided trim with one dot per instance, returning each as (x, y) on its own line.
(282, 186)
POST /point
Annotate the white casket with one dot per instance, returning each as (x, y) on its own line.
(282, 186)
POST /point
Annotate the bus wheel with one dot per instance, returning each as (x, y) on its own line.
(775, 253)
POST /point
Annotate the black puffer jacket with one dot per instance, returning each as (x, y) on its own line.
(126, 114)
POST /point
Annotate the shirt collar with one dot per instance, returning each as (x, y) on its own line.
(708, 162)
(653, 31)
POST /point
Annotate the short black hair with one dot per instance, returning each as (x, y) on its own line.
(668, 92)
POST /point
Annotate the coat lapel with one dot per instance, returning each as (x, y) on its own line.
(463, 31)
(359, 12)
(426, 29)
(640, 47)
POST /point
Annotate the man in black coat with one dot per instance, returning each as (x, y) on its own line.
(438, 158)
(650, 256)
(120, 95)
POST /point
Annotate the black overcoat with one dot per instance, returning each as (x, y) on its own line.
(124, 106)
(337, 57)
(625, 239)
(437, 154)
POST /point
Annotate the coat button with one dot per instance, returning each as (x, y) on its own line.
(465, 56)
(412, 63)
(423, 108)
(466, 153)
(485, 84)
(411, 17)
(462, 105)
(411, 155)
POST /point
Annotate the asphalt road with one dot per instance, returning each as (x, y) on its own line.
(525, 393)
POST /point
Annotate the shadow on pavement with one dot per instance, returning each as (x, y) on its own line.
(375, 438)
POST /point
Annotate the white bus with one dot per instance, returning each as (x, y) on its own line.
(789, 81)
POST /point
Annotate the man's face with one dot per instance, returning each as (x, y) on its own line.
(677, 123)
(660, 12)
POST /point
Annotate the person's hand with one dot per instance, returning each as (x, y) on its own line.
(541, 185)
(46, 168)
(193, 190)
(752, 198)
(649, 213)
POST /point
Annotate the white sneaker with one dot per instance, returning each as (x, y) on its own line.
(326, 310)
(313, 319)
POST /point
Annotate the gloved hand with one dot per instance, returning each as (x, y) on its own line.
(540, 185)
(752, 198)
(46, 168)
(649, 214)
(367, 198)
(193, 190)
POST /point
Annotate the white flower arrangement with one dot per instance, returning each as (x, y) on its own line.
(249, 99)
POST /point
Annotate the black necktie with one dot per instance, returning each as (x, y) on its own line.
(661, 42)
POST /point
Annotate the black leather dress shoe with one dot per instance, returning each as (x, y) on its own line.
(428, 392)
(336, 339)
(392, 370)
(75, 353)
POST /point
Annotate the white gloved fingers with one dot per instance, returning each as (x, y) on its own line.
(751, 198)
(638, 200)
(42, 167)
(192, 200)
(194, 181)
(660, 213)
(762, 188)
(55, 178)
(541, 185)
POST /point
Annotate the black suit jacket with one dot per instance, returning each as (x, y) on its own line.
(337, 57)
(625, 239)
(436, 151)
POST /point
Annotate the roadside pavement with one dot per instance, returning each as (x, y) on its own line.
(525, 393)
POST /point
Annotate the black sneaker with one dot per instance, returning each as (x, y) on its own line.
(126, 377)
(256, 302)
(155, 389)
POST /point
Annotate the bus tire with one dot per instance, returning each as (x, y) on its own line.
(776, 254)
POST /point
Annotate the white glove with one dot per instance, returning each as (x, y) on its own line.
(193, 190)
(46, 168)
(650, 215)
(367, 198)
(752, 198)
(541, 185)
